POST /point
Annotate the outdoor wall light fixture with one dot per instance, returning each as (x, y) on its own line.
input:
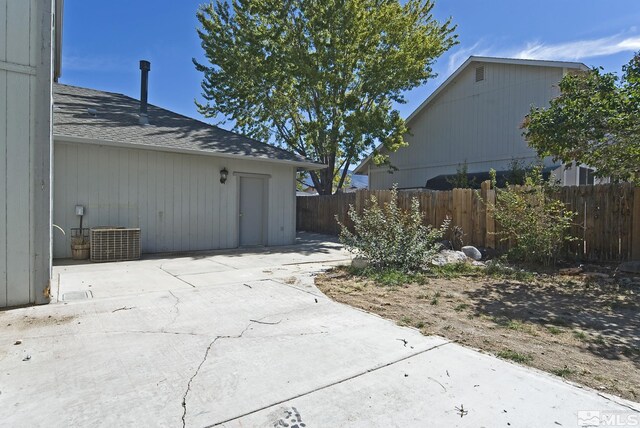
(223, 175)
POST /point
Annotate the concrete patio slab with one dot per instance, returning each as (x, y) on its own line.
(111, 280)
(311, 253)
(227, 348)
(265, 351)
(447, 386)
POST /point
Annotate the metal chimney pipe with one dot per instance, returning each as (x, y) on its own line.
(145, 67)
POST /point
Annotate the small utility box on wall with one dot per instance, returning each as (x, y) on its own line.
(80, 246)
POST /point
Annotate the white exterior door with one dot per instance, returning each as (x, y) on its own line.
(252, 211)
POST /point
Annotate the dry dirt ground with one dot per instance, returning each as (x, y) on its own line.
(584, 329)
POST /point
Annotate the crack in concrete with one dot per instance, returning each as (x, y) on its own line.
(206, 355)
(278, 314)
(309, 333)
(320, 388)
(98, 333)
(176, 333)
(176, 311)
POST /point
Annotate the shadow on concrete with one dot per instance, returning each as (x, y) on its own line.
(307, 244)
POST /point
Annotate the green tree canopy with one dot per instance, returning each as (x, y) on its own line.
(595, 121)
(318, 76)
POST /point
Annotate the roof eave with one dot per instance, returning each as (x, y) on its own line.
(361, 169)
(305, 165)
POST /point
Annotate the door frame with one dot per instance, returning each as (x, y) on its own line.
(265, 205)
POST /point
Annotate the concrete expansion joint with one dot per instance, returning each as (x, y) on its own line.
(176, 276)
(311, 292)
(320, 388)
(618, 401)
(348, 259)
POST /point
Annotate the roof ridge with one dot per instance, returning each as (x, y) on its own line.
(506, 58)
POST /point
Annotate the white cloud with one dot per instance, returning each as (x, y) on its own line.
(579, 49)
(459, 56)
(567, 51)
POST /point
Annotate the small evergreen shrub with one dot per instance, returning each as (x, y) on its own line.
(390, 237)
(461, 179)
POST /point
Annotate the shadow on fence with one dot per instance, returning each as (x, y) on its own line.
(607, 224)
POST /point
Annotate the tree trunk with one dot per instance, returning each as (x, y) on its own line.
(345, 171)
(326, 181)
(326, 177)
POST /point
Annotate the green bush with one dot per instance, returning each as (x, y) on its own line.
(534, 221)
(390, 237)
(390, 277)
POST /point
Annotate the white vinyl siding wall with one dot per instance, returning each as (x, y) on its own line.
(176, 199)
(474, 121)
(25, 146)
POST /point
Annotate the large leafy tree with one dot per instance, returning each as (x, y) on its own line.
(595, 121)
(318, 76)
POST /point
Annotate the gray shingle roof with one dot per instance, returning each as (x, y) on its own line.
(116, 120)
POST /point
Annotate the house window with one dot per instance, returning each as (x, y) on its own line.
(586, 176)
(480, 73)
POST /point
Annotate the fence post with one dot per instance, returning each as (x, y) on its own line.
(489, 197)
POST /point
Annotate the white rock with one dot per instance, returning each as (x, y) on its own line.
(360, 263)
(472, 252)
(448, 257)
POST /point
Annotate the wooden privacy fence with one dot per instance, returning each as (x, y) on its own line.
(318, 213)
(607, 224)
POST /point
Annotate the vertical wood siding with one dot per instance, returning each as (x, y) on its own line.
(474, 121)
(25, 150)
(176, 199)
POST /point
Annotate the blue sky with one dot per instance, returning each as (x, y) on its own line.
(104, 40)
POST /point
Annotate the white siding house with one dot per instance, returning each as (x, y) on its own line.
(474, 116)
(152, 169)
(164, 177)
(26, 73)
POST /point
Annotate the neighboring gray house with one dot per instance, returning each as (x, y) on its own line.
(164, 176)
(29, 61)
(475, 116)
